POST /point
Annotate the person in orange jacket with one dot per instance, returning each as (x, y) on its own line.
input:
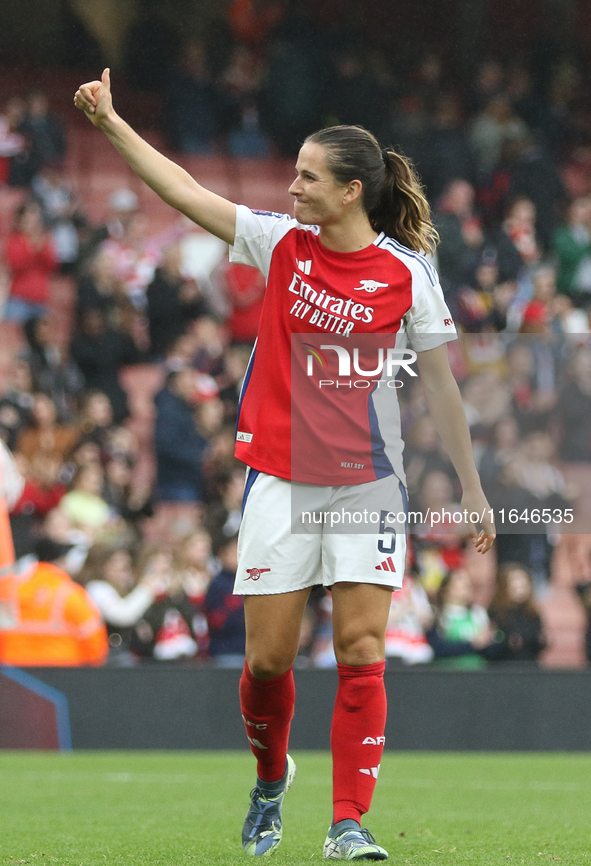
(57, 623)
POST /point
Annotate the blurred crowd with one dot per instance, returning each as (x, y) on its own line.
(148, 526)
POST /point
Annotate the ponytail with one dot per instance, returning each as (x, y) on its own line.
(393, 196)
(403, 211)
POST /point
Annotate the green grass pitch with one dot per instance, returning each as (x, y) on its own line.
(175, 808)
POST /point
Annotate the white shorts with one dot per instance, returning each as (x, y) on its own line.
(282, 549)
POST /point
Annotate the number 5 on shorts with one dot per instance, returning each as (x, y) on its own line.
(383, 530)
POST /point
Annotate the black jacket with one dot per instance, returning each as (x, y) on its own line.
(179, 446)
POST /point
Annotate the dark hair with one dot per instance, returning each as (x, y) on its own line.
(393, 196)
(24, 206)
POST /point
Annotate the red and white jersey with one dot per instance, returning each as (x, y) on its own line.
(384, 292)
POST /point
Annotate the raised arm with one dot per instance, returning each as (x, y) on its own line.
(445, 407)
(171, 182)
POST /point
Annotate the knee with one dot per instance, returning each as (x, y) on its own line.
(265, 665)
(367, 649)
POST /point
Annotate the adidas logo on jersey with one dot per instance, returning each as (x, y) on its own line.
(372, 771)
(372, 741)
(386, 565)
(370, 286)
(304, 267)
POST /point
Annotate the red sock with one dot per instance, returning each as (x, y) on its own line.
(267, 710)
(357, 738)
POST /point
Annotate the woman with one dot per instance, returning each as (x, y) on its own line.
(84, 505)
(513, 611)
(461, 635)
(31, 260)
(109, 579)
(53, 372)
(166, 631)
(339, 242)
(45, 435)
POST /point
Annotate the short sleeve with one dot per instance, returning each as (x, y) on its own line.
(257, 235)
(428, 322)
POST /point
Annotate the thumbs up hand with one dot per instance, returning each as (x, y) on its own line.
(94, 99)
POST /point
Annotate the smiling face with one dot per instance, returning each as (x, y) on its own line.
(319, 200)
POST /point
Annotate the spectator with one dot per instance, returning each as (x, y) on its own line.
(165, 632)
(58, 624)
(83, 505)
(225, 612)
(573, 410)
(43, 489)
(537, 473)
(191, 102)
(485, 304)
(568, 319)
(96, 423)
(129, 500)
(533, 175)
(531, 385)
(135, 256)
(52, 370)
(61, 214)
(223, 515)
(515, 615)
(537, 315)
(447, 141)
(517, 244)
(173, 302)
(461, 633)
(495, 126)
(123, 205)
(572, 247)
(100, 352)
(108, 577)
(461, 233)
(244, 287)
(488, 83)
(12, 143)
(100, 288)
(195, 562)
(44, 129)
(422, 453)
(410, 616)
(235, 367)
(179, 446)
(241, 82)
(45, 436)
(197, 566)
(16, 401)
(501, 449)
(57, 527)
(209, 346)
(31, 259)
(440, 537)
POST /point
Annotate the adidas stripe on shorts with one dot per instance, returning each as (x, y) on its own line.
(295, 536)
